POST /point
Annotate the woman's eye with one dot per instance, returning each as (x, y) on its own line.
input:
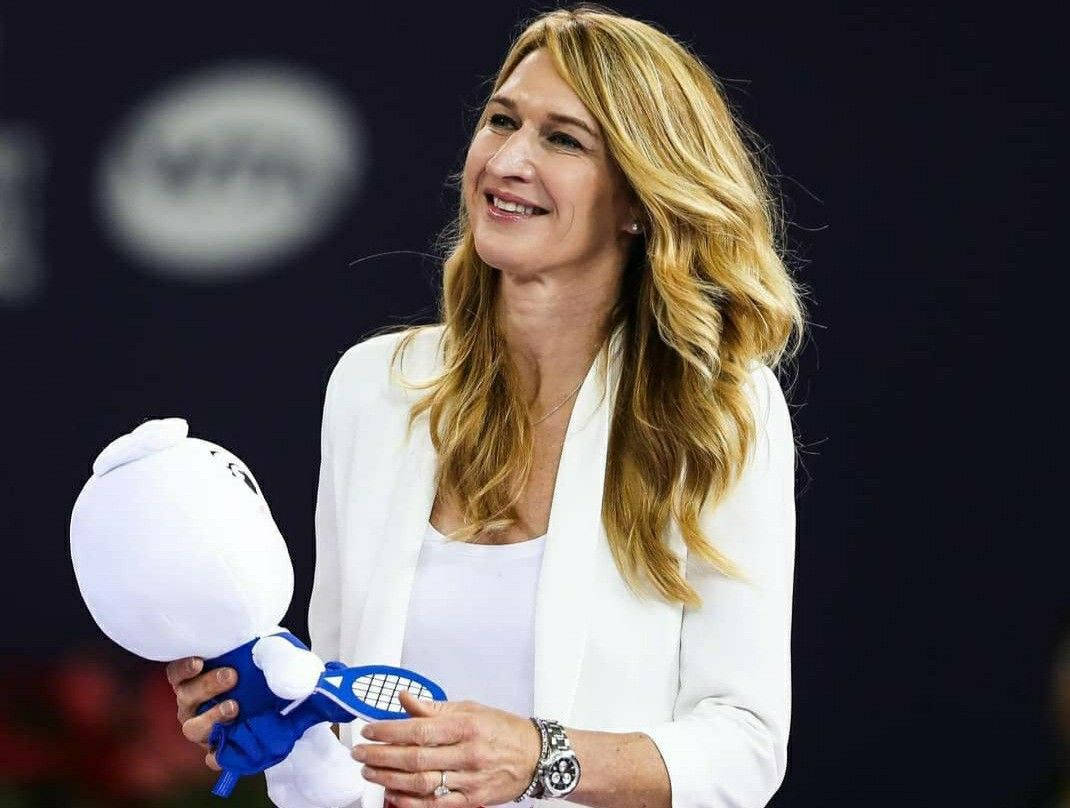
(571, 142)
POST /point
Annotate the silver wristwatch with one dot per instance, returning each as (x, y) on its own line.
(558, 771)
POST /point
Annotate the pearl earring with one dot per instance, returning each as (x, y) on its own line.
(634, 227)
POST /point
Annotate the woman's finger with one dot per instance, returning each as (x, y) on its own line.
(182, 669)
(211, 763)
(198, 728)
(194, 692)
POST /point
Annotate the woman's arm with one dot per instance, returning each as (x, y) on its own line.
(619, 768)
(727, 744)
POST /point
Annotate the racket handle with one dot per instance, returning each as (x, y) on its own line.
(225, 784)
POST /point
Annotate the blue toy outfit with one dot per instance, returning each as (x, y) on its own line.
(261, 736)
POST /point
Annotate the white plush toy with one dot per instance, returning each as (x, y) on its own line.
(176, 554)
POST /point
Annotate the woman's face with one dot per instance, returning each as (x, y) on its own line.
(522, 150)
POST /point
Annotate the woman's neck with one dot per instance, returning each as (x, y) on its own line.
(553, 333)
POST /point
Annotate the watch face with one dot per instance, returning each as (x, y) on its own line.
(562, 775)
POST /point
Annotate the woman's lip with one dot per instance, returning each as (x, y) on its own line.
(505, 197)
(489, 196)
(505, 215)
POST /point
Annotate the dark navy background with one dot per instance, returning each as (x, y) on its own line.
(913, 160)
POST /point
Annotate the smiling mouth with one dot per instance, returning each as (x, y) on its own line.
(490, 201)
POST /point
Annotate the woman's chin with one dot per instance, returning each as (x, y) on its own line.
(513, 261)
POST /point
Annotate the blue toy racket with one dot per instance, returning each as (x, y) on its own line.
(371, 691)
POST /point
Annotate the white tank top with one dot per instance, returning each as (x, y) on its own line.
(470, 624)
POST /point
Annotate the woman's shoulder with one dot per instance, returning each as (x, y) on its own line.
(768, 400)
(769, 404)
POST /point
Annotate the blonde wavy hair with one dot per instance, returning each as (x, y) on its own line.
(705, 292)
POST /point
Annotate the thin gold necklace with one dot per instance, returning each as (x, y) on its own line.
(559, 406)
(570, 395)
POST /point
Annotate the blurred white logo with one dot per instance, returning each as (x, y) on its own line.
(230, 170)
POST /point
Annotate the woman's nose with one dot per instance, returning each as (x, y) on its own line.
(513, 158)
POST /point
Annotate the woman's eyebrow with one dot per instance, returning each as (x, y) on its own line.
(553, 116)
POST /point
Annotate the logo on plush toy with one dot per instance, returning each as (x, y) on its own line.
(239, 472)
(172, 563)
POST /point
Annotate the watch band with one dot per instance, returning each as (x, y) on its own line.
(561, 774)
(534, 788)
(558, 771)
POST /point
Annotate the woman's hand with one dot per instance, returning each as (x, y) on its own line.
(192, 690)
(489, 755)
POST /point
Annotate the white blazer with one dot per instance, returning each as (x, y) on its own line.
(711, 687)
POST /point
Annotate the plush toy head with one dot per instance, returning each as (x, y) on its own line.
(174, 548)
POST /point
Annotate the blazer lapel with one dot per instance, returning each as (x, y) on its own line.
(566, 578)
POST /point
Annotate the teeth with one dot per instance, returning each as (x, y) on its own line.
(513, 207)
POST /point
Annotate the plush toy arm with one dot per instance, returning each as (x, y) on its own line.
(291, 672)
(325, 772)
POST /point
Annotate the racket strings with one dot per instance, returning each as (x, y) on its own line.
(381, 690)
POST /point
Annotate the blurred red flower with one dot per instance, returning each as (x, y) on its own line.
(105, 727)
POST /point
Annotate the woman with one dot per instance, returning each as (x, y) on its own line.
(601, 419)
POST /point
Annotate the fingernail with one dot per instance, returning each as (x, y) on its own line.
(195, 665)
(223, 675)
(229, 707)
